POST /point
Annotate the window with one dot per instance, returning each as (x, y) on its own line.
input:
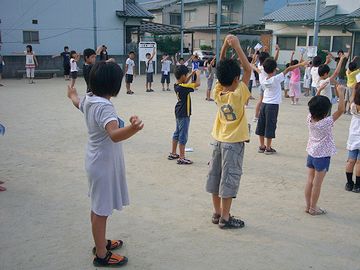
(34, 21)
(190, 15)
(175, 18)
(324, 42)
(30, 37)
(339, 43)
(301, 41)
(286, 43)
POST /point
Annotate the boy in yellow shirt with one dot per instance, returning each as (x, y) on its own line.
(230, 131)
(351, 73)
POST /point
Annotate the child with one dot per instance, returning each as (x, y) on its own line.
(353, 144)
(210, 67)
(287, 82)
(74, 57)
(307, 80)
(294, 85)
(66, 62)
(230, 131)
(316, 62)
(325, 80)
(149, 70)
(320, 147)
(89, 61)
(181, 60)
(266, 125)
(104, 161)
(182, 113)
(252, 76)
(129, 71)
(351, 73)
(195, 64)
(165, 71)
(31, 63)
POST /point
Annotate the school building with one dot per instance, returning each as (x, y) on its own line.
(292, 27)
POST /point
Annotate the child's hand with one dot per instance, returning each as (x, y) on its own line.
(305, 63)
(293, 52)
(233, 41)
(347, 46)
(277, 47)
(136, 123)
(71, 91)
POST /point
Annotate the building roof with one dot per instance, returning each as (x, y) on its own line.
(160, 29)
(337, 20)
(133, 10)
(303, 11)
(355, 14)
(156, 4)
(251, 29)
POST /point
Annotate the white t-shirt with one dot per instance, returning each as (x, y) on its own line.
(130, 66)
(353, 142)
(149, 66)
(326, 92)
(29, 59)
(358, 78)
(262, 75)
(165, 67)
(73, 65)
(314, 76)
(272, 89)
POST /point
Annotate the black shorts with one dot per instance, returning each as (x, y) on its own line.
(250, 85)
(73, 75)
(149, 77)
(165, 77)
(66, 70)
(266, 125)
(129, 78)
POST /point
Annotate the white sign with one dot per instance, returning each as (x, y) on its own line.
(144, 48)
(302, 50)
(258, 47)
(312, 51)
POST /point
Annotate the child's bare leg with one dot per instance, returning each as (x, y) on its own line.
(182, 150)
(268, 143)
(357, 171)
(208, 94)
(262, 141)
(168, 86)
(174, 146)
(350, 164)
(127, 87)
(258, 105)
(308, 188)
(163, 86)
(315, 192)
(217, 203)
(72, 83)
(149, 85)
(99, 230)
(225, 208)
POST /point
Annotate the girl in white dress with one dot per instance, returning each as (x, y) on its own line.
(104, 161)
(30, 64)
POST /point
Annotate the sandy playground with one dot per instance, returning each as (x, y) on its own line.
(44, 214)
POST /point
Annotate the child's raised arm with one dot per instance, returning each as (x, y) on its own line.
(337, 70)
(120, 134)
(277, 52)
(224, 48)
(73, 96)
(341, 107)
(291, 68)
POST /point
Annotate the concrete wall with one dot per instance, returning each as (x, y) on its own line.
(60, 23)
(344, 6)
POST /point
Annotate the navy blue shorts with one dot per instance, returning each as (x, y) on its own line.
(319, 164)
(182, 130)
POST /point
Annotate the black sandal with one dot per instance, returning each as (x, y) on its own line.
(111, 245)
(172, 156)
(110, 260)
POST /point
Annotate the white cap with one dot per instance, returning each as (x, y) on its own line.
(358, 78)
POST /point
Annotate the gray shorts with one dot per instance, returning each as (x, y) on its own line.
(149, 77)
(225, 169)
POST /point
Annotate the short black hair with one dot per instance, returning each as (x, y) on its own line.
(316, 61)
(105, 79)
(294, 62)
(227, 70)
(319, 107)
(147, 54)
(263, 56)
(352, 66)
(269, 65)
(181, 58)
(323, 69)
(357, 94)
(131, 52)
(29, 47)
(66, 47)
(340, 51)
(180, 71)
(165, 54)
(88, 52)
(287, 65)
(72, 52)
(249, 59)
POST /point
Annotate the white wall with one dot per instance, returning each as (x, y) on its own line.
(344, 6)
(60, 23)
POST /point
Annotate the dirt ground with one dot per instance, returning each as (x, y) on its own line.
(44, 214)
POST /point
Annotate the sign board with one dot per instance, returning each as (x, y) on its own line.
(144, 48)
(258, 47)
(312, 51)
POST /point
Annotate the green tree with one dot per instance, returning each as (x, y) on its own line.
(168, 44)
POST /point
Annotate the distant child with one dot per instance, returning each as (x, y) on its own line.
(351, 74)
(287, 82)
(195, 65)
(31, 63)
(325, 80)
(89, 61)
(165, 71)
(307, 80)
(149, 66)
(210, 74)
(74, 58)
(316, 62)
(230, 131)
(182, 113)
(104, 160)
(252, 77)
(129, 71)
(353, 144)
(269, 110)
(181, 60)
(320, 147)
(295, 86)
(66, 62)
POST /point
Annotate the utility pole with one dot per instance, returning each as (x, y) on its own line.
(218, 26)
(95, 24)
(182, 28)
(316, 24)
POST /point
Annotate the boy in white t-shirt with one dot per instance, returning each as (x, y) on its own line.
(165, 71)
(325, 80)
(129, 71)
(149, 70)
(269, 109)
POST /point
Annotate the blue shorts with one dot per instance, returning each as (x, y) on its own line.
(354, 154)
(182, 130)
(319, 164)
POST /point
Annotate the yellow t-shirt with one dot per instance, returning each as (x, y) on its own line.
(231, 125)
(351, 77)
